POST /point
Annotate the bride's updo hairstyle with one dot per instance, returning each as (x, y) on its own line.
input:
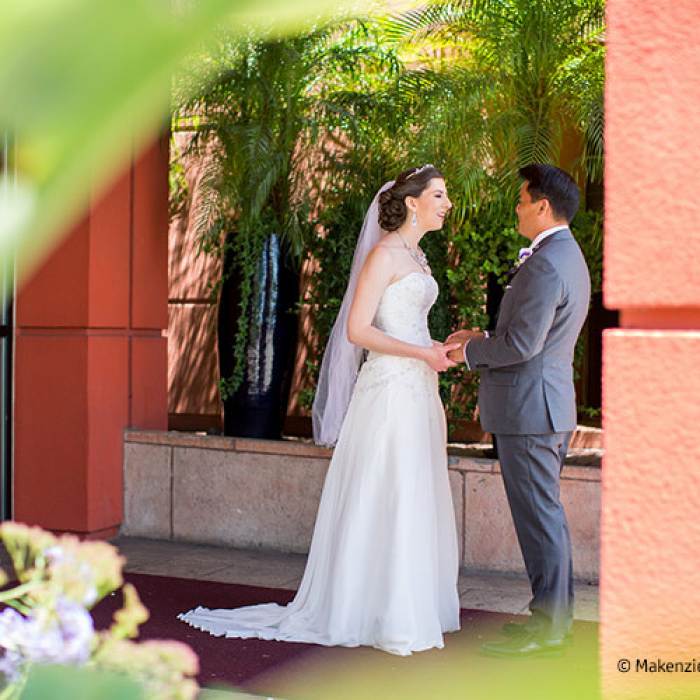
(392, 202)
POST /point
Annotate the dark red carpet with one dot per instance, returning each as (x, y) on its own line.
(244, 663)
(230, 661)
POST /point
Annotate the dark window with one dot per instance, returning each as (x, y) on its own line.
(6, 287)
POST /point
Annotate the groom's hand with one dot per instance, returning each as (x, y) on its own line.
(457, 355)
(461, 337)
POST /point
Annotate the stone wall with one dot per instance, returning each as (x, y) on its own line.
(264, 494)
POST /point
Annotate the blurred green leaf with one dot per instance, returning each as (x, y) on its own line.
(62, 683)
(86, 84)
(457, 672)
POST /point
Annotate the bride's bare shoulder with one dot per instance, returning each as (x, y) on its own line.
(379, 255)
(381, 259)
(388, 246)
(390, 242)
(382, 254)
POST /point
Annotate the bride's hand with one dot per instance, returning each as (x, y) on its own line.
(436, 356)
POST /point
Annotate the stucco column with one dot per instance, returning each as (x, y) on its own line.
(91, 356)
(650, 569)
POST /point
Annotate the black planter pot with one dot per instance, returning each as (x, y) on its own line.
(258, 407)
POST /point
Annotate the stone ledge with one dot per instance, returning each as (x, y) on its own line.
(294, 448)
(581, 473)
(463, 457)
(462, 463)
(572, 471)
(475, 455)
(586, 437)
(174, 438)
(265, 494)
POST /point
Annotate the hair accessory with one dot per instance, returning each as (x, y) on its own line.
(419, 170)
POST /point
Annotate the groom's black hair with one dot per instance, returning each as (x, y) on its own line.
(553, 184)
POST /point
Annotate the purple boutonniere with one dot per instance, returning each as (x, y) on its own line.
(523, 255)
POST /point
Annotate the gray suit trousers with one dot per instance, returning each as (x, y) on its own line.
(531, 466)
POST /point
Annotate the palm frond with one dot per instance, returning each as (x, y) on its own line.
(430, 20)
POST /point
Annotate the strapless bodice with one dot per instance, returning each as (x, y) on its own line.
(403, 314)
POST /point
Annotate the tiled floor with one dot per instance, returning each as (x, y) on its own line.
(481, 591)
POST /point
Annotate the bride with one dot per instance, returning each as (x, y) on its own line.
(383, 563)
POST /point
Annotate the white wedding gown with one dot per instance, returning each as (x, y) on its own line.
(383, 563)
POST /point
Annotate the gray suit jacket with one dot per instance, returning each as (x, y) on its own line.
(526, 365)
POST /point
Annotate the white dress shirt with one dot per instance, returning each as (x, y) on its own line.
(523, 255)
(540, 237)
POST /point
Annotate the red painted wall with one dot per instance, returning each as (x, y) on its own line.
(91, 355)
(650, 569)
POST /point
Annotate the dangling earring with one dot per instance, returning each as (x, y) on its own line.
(414, 220)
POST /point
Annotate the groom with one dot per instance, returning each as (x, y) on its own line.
(527, 400)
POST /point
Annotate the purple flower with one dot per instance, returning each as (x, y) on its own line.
(523, 255)
(63, 638)
(66, 564)
(55, 555)
(77, 630)
(10, 666)
(12, 628)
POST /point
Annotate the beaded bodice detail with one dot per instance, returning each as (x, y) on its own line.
(404, 307)
(403, 314)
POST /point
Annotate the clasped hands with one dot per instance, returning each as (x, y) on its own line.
(461, 337)
(442, 356)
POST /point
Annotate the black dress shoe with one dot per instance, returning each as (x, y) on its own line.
(525, 646)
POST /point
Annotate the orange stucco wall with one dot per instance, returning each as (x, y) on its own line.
(193, 363)
(650, 569)
(91, 355)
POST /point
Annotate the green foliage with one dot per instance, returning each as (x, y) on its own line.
(521, 76)
(364, 146)
(258, 127)
(479, 248)
(178, 191)
(590, 412)
(479, 88)
(587, 226)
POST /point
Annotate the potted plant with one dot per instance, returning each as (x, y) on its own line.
(258, 128)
